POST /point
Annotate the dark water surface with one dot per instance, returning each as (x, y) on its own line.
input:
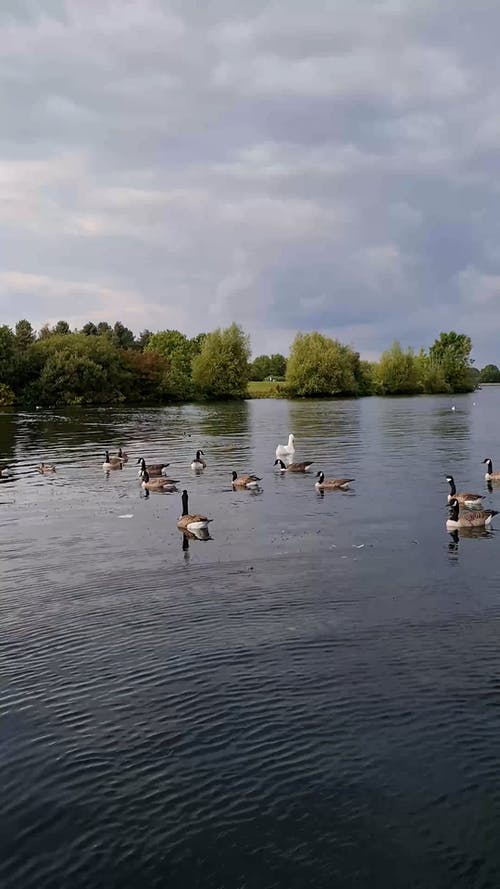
(309, 699)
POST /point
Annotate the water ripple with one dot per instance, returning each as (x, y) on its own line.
(273, 707)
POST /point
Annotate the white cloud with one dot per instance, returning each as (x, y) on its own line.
(283, 165)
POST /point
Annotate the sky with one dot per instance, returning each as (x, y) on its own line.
(286, 165)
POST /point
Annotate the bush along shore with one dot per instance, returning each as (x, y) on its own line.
(103, 364)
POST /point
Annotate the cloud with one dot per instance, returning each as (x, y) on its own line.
(287, 166)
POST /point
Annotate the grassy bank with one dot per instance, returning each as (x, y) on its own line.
(266, 389)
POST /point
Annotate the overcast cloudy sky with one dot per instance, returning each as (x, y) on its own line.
(290, 165)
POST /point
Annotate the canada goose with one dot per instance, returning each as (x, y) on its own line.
(471, 501)
(245, 481)
(46, 468)
(198, 463)
(491, 476)
(469, 518)
(191, 522)
(122, 455)
(152, 468)
(111, 463)
(157, 484)
(294, 467)
(286, 450)
(5, 472)
(331, 483)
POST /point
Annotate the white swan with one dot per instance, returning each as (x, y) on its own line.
(286, 450)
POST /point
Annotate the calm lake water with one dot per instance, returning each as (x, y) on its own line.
(311, 698)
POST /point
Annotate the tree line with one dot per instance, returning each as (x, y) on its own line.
(101, 364)
(104, 364)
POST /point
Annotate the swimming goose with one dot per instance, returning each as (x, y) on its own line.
(164, 485)
(198, 463)
(471, 501)
(5, 472)
(286, 450)
(46, 468)
(469, 518)
(122, 455)
(152, 468)
(331, 483)
(245, 481)
(491, 476)
(294, 467)
(111, 463)
(191, 522)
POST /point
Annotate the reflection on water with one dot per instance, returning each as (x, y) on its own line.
(468, 534)
(309, 700)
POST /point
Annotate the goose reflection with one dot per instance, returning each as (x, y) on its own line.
(467, 534)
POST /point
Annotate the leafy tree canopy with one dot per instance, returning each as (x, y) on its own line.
(24, 335)
(451, 354)
(221, 369)
(320, 366)
(490, 374)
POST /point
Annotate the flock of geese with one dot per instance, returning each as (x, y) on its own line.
(466, 508)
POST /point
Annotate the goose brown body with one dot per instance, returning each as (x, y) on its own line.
(112, 463)
(331, 483)
(465, 498)
(191, 521)
(245, 481)
(46, 468)
(294, 467)
(163, 485)
(153, 469)
(469, 518)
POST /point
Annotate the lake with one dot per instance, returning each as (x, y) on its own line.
(310, 698)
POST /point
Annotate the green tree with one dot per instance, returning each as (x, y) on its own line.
(104, 329)
(45, 332)
(7, 396)
(260, 367)
(77, 369)
(24, 335)
(89, 329)
(7, 355)
(268, 366)
(174, 346)
(398, 372)
(143, 339)
(430, 375)
(122, 337)
(221, 370)
(367, 378)
(278, 365)
(451, 354)
(147, 374)
(320, 366)
(61, 328)
(490, 374)
(196, 343)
